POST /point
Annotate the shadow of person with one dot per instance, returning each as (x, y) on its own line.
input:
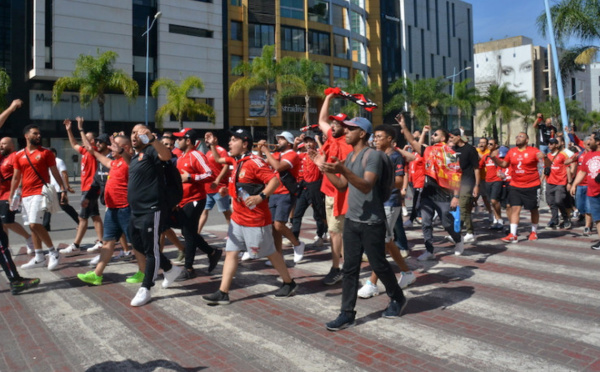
(132, 365)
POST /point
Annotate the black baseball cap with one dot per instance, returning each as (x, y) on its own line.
(553, 141)
(105, 138)
(242, 134)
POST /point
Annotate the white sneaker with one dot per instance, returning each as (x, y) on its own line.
(404, 253)
(319, 243)
(404, 211)
(30, 249)
(299, 252)
(406, 278)
(141, 297)
(94, 261)
(269, 263)
(96, 247)
(468, 238)
(32, 264)
(368, 290)
(71, 250)
(450, 239)
(53, 261)
(170, 276)
(459, 248)
(244, 256)
(426, 256)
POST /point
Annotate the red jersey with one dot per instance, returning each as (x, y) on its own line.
(523, 167)
(558, 175)
(194, 162)
(591, 166)
(334, 147)
(42, 159)
(115, 191)
(580, 158)
(253, 170)
(216, 169)
(491, 170)
(310, 171)
(177, 152)
(293, 160)
(6, 172)
(88, 168)
(417, 171)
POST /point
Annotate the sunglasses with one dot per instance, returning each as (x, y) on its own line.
(435, 135)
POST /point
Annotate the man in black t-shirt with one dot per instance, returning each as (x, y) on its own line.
(146, 196)
(468, 159)
(545, 131)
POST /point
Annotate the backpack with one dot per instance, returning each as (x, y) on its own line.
(387, 176)
(173, 184)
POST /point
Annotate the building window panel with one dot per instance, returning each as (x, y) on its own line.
(357, 23)
(358, 52)
(340, 17)
(292, 9)
(260, 35)
(237, 31)
(293, 39)
(340, 73)
(190, 31)
(234, 61)
(236, 2)
(341, 47)
(318, 11)
(318, 43)
(360, 3)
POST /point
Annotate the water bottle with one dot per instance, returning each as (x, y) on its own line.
(456, 214)
(144, 138)
(15, 203)
(244, 195)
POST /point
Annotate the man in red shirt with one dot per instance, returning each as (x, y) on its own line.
(524, 188)
(7, 150)
(335, 200)
(251, 183)
(287, 164)
(88, 170)
(581, 199)
(493, 184)
(195, 173)
(558, 183)
(33, 165)
(216, 191)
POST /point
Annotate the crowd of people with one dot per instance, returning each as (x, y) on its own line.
(354, 176)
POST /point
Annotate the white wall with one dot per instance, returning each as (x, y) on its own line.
(595, 86)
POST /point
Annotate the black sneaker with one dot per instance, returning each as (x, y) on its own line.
(213, 259)
(551, 226)
(566, 225)
(334, 276)
(186, 275)
(23, 284)
(217, 298)
(287, 290)
(394, 309)
(343, 321)
(596, 246)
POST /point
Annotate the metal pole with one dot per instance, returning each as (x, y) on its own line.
(559, 85)
(147, 59)
(453, 80)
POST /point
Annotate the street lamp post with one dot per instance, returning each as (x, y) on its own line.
(147, 33)
(453, 76)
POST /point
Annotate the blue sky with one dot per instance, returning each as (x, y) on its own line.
(498, 19)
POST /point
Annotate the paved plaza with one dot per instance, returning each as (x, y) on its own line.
(532, 306)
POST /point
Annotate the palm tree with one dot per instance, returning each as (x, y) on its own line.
(5, 83)
(357, 85)
(578, 19)
(402, 93)
(263, 72)
(305, 79)
(551, 109)
(178, 103)
(94, 77)
(592, 121)
(501, 107)
(465, 98)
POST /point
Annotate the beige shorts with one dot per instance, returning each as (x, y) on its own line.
(335, 224)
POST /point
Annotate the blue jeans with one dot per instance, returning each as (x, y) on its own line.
(581, 200)
(116, 223)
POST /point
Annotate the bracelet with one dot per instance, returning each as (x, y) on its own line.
(456, 196)
(153, 139)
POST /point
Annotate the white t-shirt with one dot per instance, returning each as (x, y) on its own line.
(61, 166)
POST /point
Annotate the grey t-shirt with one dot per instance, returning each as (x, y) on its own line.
(366, 208)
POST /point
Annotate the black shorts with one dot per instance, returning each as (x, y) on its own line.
(494, 190)
(528, 198)
(145, 229)
(6, 215)
(504, 195)
(91, 210)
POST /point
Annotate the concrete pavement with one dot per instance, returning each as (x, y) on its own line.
(527, 306)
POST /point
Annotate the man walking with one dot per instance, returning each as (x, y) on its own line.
(558, 184)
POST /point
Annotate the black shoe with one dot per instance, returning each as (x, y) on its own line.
(551, 226)
(566, 225)
(186, 275)
(596, 246)
(23, 284)
(287, 290)
(213, 259)
(217, 298)
(334, 276)
(394, 309)
(343, 321)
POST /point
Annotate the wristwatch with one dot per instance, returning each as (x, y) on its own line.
(262, 195)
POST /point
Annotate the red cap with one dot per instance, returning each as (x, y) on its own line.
(339, 117)
(182, 132)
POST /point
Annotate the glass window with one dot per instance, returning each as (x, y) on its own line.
(341, 47)
(340, 73)
(318, 11)
(339, 17)
(293, 39)
(292, 9)
(358, 52)
(360, 3)
(235, 61)
(260, 35)
(190, 31)
(318, 43)
(357, 23)
(236, 31)
(236, 2)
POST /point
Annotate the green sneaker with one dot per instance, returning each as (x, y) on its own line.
(91, 278)
(136, 278)
(23, 284)
(180, 257)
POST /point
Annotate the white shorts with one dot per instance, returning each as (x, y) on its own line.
(391, 216)
(258, 241)
(32, 211)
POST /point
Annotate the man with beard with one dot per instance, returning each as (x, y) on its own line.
(545, 131)
(493, 184)
(33, 165)
(558, 183)
(89, 207)
(524, 187)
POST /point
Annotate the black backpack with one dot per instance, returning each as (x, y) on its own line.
(173, 184)
(387, 176)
